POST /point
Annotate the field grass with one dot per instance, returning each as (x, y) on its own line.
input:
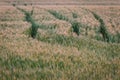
(57, 52)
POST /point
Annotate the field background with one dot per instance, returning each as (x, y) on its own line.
(68, 44)
(62, 2)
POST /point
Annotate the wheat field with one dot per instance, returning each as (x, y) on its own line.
(68, 42)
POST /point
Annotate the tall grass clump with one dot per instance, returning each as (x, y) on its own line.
(32, 10)
(34, 26)
(118, 37)
(76, 27)
(34, 29)
(28, 17)
(25, 4)
(115, 38)
(74, 15)
(14, 4)
(58, 15)
(102, 29)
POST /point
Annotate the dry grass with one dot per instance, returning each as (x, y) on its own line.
(9, 13)
(110, 16)
(55, 54)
